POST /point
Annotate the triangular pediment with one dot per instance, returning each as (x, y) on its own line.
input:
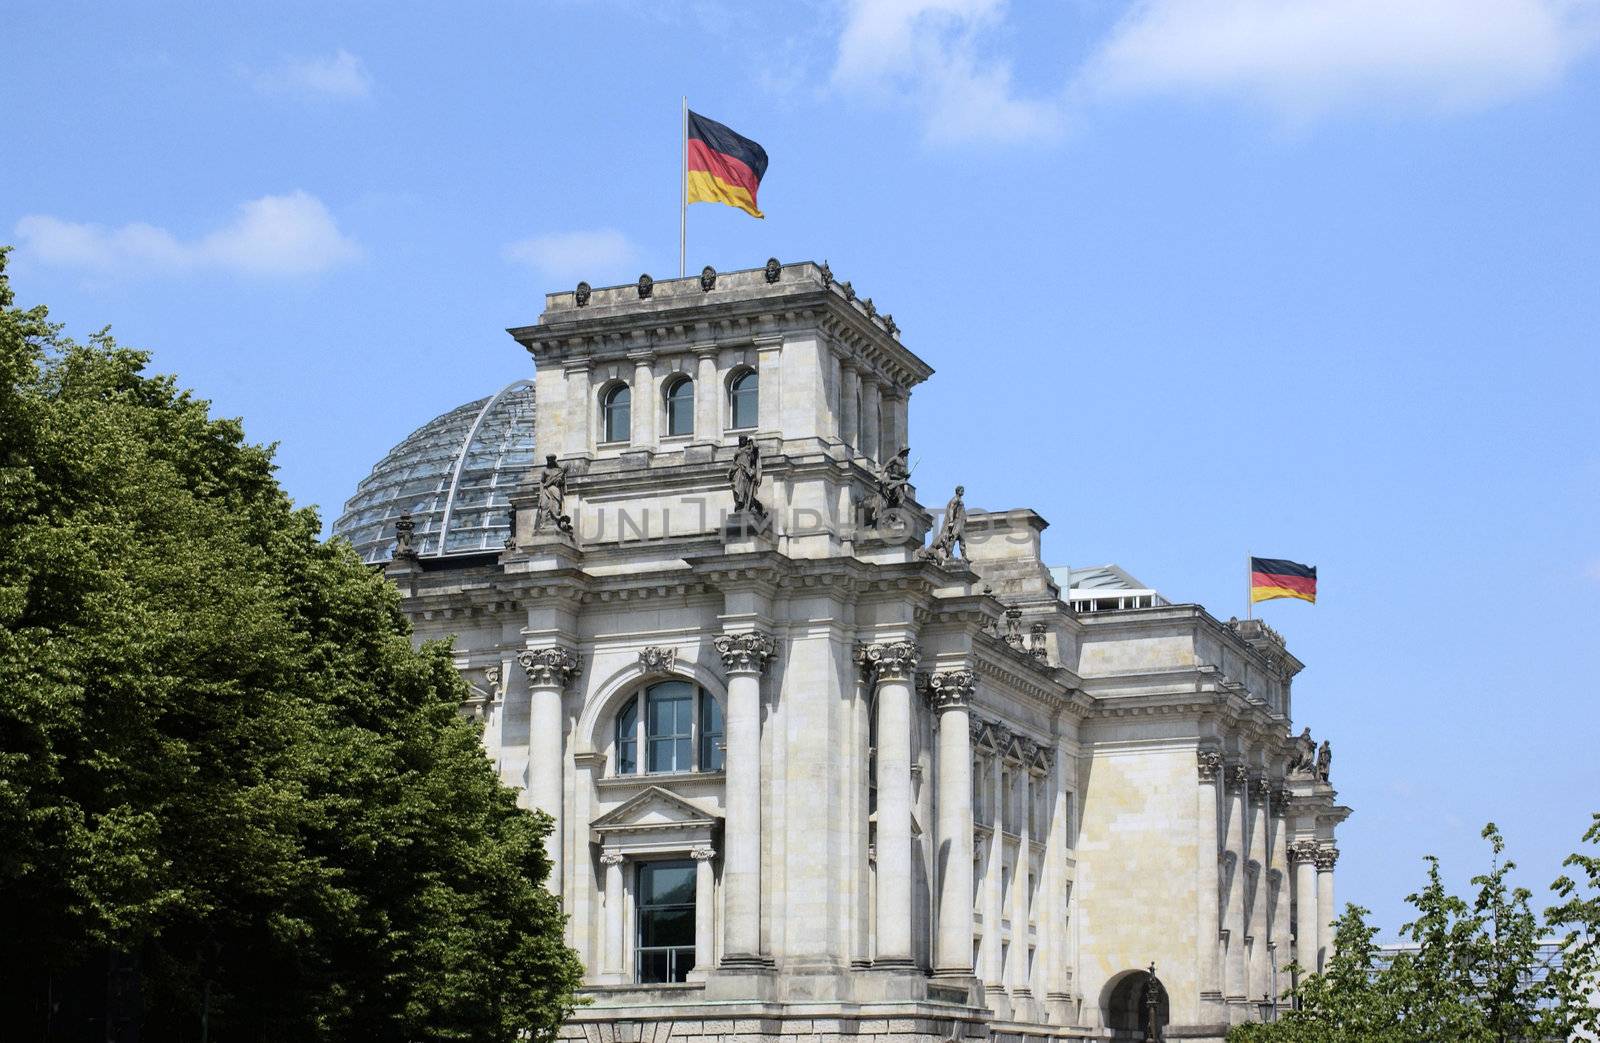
(654, 808)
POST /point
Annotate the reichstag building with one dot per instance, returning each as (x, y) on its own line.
(825, 759)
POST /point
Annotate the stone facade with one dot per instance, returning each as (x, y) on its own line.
(808, 784)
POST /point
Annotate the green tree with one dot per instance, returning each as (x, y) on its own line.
(1575, 986)
(234, 802)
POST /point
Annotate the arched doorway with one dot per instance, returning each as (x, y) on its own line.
(1127, 1006)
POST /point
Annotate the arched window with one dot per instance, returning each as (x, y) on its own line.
(680, 407)
(677, 724)
(615, 411)
(742, 400)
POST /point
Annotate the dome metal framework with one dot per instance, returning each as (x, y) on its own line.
(454, 475)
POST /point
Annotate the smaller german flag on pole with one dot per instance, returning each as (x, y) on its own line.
(1280, 578)
(720, 166)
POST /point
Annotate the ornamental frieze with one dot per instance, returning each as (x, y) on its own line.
(553, 667)
(745, 653)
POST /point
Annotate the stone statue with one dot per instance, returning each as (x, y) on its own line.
(745, 477)
(404, 548)
(1324, 760)
(646, 286)
(1303, 760)
(708, 278)
(552, 497)
(1152, 1006)
(891, 492)
(581, 295)
(952, 532)
(772, 270)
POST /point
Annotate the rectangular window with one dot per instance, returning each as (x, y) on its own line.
(669, 728)
(711, 745)
(665, 947)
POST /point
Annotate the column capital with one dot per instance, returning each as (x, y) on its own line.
(1281, 795)
(949, 689)
(1237, 776)
(1260, 788)
(888, 661)
(1209, 763)
(1326, 857)
(745, 653)
(552, 667)
(612, 858)
(703, 853)
(1303, 851)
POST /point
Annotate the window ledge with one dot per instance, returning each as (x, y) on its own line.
(656, 778)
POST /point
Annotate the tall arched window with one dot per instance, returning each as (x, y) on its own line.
(743, 410)
(616, 413)
(678, 726)
(680, 407)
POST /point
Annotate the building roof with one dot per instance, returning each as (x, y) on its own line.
(1102, 587)
(454, 475)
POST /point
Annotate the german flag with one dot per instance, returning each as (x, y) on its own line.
(1280, 578)
(721, 166)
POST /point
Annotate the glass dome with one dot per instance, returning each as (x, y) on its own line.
(454, 474)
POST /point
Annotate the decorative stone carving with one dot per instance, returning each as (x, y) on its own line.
(1259, 788)
(404, 548)
(491, 675)
(646, 286)
(892, 660)
(745, 653)
(950, 689)
(703, 853)
(891, 491)
(553, 667)
(773, 269)
(1014, 628)
(1303, 851)
(708, 279)
(849, 291)
(581, 295)
(1324, 760)
(1036, 641)
(1280, 800)
(888, 324)
(952, 539)
(658, 660)
(1209, 763)
(744, 477)
(1303, 755)
(1238, 776)
(1326, 857)
(872, 309)
(612, 858)
(552, 498)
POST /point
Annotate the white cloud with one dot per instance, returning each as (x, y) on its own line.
(1304, 57)
(597, 255)
(272, 236)
(927, 52)
(338, 75)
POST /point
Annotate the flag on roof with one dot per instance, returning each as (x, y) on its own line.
(1280, 578)
(721, 166)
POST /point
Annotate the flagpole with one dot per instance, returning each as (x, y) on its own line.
(683, 188)
(1249, 604)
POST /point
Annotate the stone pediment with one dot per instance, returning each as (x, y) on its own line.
(655, 809)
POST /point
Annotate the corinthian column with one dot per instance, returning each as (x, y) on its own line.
(1302, 855)
(1259, 971)
(1280, 866)
(549, 671)
(1238, 780)
(951, 695)
(1327, 916)
(890, 667)
(1206, 856)
(703, 910)
(744, 657)
(615, 973)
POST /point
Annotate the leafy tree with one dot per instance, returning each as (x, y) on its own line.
(1576, 985)
(234, 802)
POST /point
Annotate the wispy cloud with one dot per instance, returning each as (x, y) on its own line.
(597, 255)
(1305, 57)
(288, 235)
(929, 54)
(337, 75)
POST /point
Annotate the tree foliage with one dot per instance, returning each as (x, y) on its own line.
(1471, 973)
(233, 798)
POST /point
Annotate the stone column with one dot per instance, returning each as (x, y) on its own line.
(1302, 855)
(951, 695)
(849, 421)
(1259, 971)
(871, 422)
(1208, 853)
(890, 667)
(1327, 912)
(744, 657)
(1019, 879)
(893, 408)
(707, 396)
(704, 909)
(1234, 983)
(1280, 865)
(645, 406)
(580, 408)
(615, 972)
(549, 671)
(993, 913)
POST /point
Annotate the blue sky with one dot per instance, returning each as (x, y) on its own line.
(1200, 278)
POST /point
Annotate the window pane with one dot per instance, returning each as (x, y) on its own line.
(743, 395)
(617, 413)
(666, 883)
(680, 408)
(710, 733)
(653, 966)
(666, 921)
(628, 739)
(669, 725)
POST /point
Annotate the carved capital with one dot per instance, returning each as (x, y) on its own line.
(950, 689)
(656, 659)
(1237, 776)
(553, 667)
(497, 690)
(889, 661)
(703, 853)
(745, 653)
(1260, 788)
(1326, 857)
(1209, 763)
(1303, 851)
(1280, 800)
(612, 858)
